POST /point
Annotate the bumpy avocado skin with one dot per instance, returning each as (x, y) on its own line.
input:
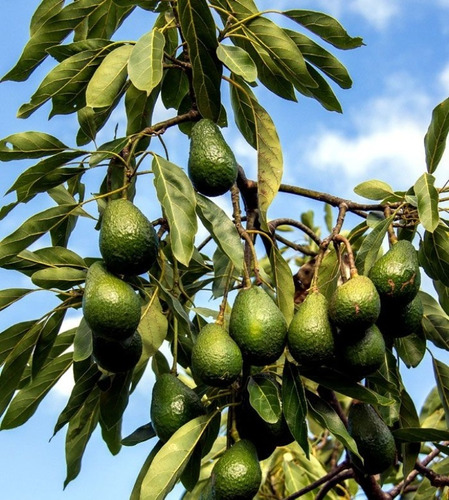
(403, 320)
(111, 308)
(212, 166)
(374, 439)
(128, 241)
(396, 274)
(310, 336)
(257, 326)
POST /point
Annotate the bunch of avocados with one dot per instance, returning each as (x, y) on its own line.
(128, 245)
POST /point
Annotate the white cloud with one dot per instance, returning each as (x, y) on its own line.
(444, 77)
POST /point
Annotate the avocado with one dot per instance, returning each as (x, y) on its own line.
(173, 404)
(212, 166)
(396, 274)
(117, 357)
(310, 337)
(257, 326)
(128, 240)
(375, 442)
(216, 358)
(362, 355)
(111, 308)
(400, 321)
(237, 474)
(355, 305)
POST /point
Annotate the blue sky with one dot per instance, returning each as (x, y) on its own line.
(399, 76)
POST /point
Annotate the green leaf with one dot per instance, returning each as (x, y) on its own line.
(434, 254)
(62, 278)
(82, 346)
(374, 190)
(177, 197)
(141, 434)
(443, 295)
(50, 33)
(435, 322)
(427, 196)
(145, 63)
(81, 427)
(109, 78)
(83, 387)
(175, 86)
(135, 494)
(325, 26)
(139, 109)
(441, 372)
(369, 249)
(27, 400)
(11, 295)
(285, 287)
(264, 398)
(327, 417)
(198, 28)
(152, 327)
(46, 10)
(222, 230)
(322, 92)
(31, 144)
(11, 336)
(106, 151)
(329, 273)
(238, 61)
(114, 400)
(169, 463)
(420, 434)
(435, 138)
(104, 21)
(223, 268)
(411, 349)
(55, 257)
(32, 229)
(295, 405)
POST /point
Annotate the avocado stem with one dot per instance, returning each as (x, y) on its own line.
(352, 268)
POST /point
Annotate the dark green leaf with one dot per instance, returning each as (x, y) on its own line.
(30, 144)
(435, 138)
(434, 254)
(177, 197)
(175, 87)
(427, 196)
(32, 229)
(11, 336)
(54, 257)
(265, 398)
(46, 10)
(326, 27)
(295, 405)
(443, 295)
(104, 21)
(435, 322)
(108, 150)
(222, 230)
(62, 278)
(420, 434)
(322, 92)
(82, 345)
(329, 273)
(109, 78)
(141, 434)
(112, 436)
(139, 109)
(374, 190)
(223, 268)
(198, 28)
(411, 349)
(27, 400)
(61, 52)
(285, 287)
(114, 401)
(145, 63)
(11, 295)
(441, 372)
(408, 417)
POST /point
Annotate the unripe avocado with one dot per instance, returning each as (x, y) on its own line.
(362, 355)
(111, 308)
(117, 356)
(400, 321)
(128, 240)
(374, 439)
(310, 336)
(173, 404)
(237, 474)
(355, 305)
(212, 166)
(216, 358)
(396, 274)
(258, 326)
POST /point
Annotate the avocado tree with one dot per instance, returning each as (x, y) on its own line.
(277, 344)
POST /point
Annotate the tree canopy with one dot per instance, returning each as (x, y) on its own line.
(208, 60)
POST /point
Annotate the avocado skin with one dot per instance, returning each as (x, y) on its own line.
(374, 439)
(128, 241)
(403, 320)
(117, 357)
(396, 274)
(173, 404)
(257, 326)
(111, 308)
(310, 337)
(212, 166)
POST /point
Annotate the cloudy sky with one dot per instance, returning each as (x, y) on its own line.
(399, 76)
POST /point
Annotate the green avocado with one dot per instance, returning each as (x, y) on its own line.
(355, 305)
(212, 166)
(257, 326)
(111, 308)
(216, 358)
(117, 357)
(400, 321)
(396, 274)
(374, 439)
(237, 474)
(310, 337)
(128, 240)
(173, 404)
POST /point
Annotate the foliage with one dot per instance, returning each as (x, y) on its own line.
(194, 52)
